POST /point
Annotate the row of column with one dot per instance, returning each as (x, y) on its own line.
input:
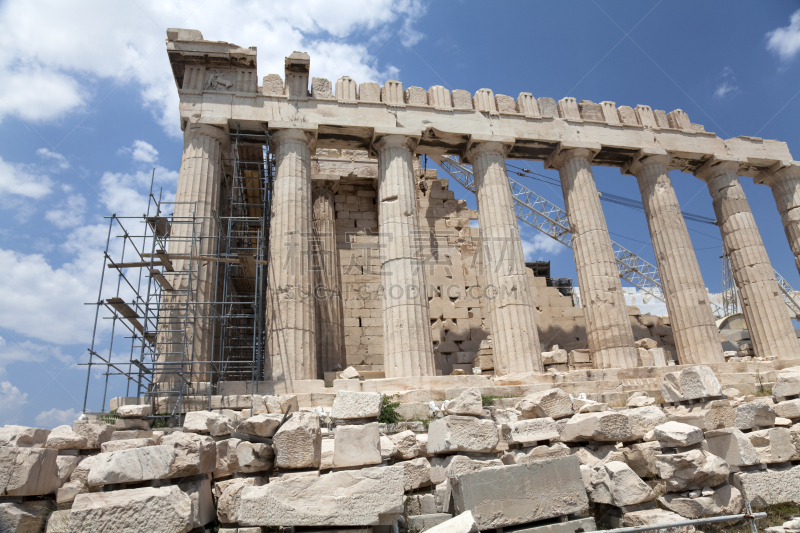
(304, 328)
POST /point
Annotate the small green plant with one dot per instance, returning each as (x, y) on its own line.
(488, 401)
(389, 414)
(110, 417)
(160, 422)
(761, 390)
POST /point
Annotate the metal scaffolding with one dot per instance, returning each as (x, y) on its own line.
(145, 320)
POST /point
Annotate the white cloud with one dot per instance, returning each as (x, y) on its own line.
(786, 41)
(126, 194)
(52, 53)
(540, 246)
(56, 417)
(23, 180)
(12, 399)
(726, 84)
(141, 151)
(60, 160)
(69, 213)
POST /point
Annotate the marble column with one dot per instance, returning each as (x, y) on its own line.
(764, 311)
(693, 323)
(515, 338)
(186, 316)
(407, 346)
(290, 299)
(327, 289)
(785, 184)
(608, 326)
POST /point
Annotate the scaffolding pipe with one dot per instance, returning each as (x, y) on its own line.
(709, 520)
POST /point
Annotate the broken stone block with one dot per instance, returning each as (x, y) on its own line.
(370, 496)
(28, 471)
(595, 456)
(615, 483)
(228, 499)
(388, 448)
(416, 473)
(647, 344)
(349, 373)
(63, 438)
(588, 406)
(66, 494)
(349, 405)
(66, 465)
(357, 446)
(547, 107)
(528, 492)
(227, 460)
(455, 465)
(752, 414)
(733, 446)
(58, 522)
(643, 420)
(298, 442)
(469, 402)
(321, 89)
(461, 99)
(788, 409)
(724, 500)
(132, 466)
(280, 404)
(554, 403)
(527, 432)
(555, 356)
(538, 453)
(81, 472)
(219, 426)
(131, 423)
(96, 433)
(134, 411)
(199, 492)
(787, 383)
(195, 421)
(455, 433)
(127, 444)
(690, 384)
(716, 414)
(607, 426)
(463, 523)
(23, 436)
(505, 416)
(25, 517)
(194, 454)
(773, 445)
(640, 399)
(260, 425)
(651, 517)
(405, 444)
(675, 434)
(132, 434)
(155, 510)
(326, 454)
(254, 456)
(641, 457)
(690, 470)
(772, 486)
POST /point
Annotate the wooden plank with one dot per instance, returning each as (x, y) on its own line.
(161, 254)
(125, 310)
(133, 265)
(159, 277)
(248, 266)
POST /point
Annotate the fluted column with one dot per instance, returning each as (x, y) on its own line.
(186, 314)
(290, 299)
(607, 324)
(693, 324)
(327, 289)
(407, 346)
(785, 185)
(764, 310)
(515, 337)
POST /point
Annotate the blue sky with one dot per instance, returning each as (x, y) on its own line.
(88, 108)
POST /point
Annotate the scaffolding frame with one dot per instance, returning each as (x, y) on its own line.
(154, 307)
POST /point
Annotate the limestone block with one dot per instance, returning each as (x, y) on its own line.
(752, 414)
(773, 445)
(788, 409)
(659, 356)
(260, 425)
(527, 105)
(58, 522)
(28, 471)
(645, 358)
(640, 399)
(349, 373)
(462, 99)
(195, 421)
(547, 107)
(155, 510)
(771, 486)
(63, 438)
(367, 92)
(568, 108)
(610, 115)
(298, 442)
(661, 118)
(66, 464)
(23, 437)
(469, 402)
(590, 111)
(227, 459)
(527, 432)
(199, 492)
(125, 444)
(555, 356)
(132, 466)
(690, 470)
(415, 96)
(644, 419)
(650, 517)
(679, 120)
(254, 456)
(508, 495)
(484, 101)
(724, 500)
(131, 434)
(645, 115)
(349, 405)
(443, 468)
(787, 382)
(388, 448)
(228, 497)
(81, 472)
(588, 406)
(405, 444)
(416, 473)
(505, 104)
(607, 426)
(321, 88)
(272, 85)
(641, 457)
(280, 404)
(690, 384)
(194, 454)
(134, 411)
(733, 446)
(219, 426)
(357, 446)
(676, 434)
(370, 496)
(627, 115)
(463, 523)
(554, 403)
(484, 362)
(392, 92)
(438, 96)
(615, 483)
(26, 517)
(326, 454)
(66, 494)
(455, 433)
(131, 423)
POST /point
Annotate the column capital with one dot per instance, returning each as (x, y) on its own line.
(382, 137)
(279, 133)
(207, 130)
(567, 150)
(479, 144)
(644, 157)
(717, 165)
(777, 172)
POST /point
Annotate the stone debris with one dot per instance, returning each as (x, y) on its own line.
(194, 454)
(676, 434)
(754, 414)
(538, 453)
(298, 442)
(370, 496)
(219, 426)
(25, 517)
(134, 411)
(772, 486)
(733, 446)
(96, 433)
(262, 425)
(651, 517)
(196, 421)
(405, 444)
(467, 403)
(127, 444)
(463, 523)
(442, 468)
(416, 473)
(455, 433)
(723, 500)
(607, 426)
(788, 409)
(615, 483)
(690, 384)
(357, 446)
(773, 445)
(132, 466)
(254, 457)
(527, 432)
(349, 373)
(28, 471)
(553, 403)
(23, 436)
(641, 457)
(787, 383)
(66, 465)
(691, 470)
(227, 458)
(349, 405)
(228, 498)
(63, 438)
